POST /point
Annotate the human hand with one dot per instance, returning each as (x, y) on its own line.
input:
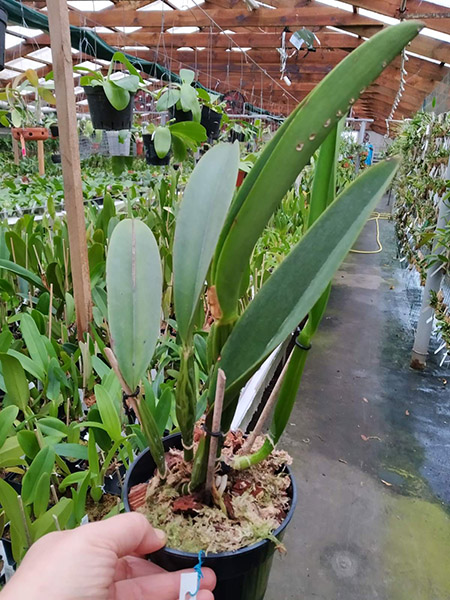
(99, 561)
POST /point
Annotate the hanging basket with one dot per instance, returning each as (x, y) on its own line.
(211, 122)
(119, 142)
(103, 113)
(150, 153)
(3, 24)
(180, 115)
(30, 133)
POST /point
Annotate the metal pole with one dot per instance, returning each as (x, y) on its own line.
(433, 284)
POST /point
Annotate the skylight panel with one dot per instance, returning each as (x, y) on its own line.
(12, 40)
(379, 17)
(337, 4)
(44, 54)
(25, 31)
(184, 4)
(24, 63)
(90, 5)
(185, 49)
(128, 29)
(183, 30)
(8, 74)
(437, 35)
(159, 5)
(90, 65)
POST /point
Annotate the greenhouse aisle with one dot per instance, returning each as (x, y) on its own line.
(369, 438)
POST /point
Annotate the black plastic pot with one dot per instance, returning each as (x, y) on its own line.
(241, 575)
(54, 129)
(211, 122)
(104, 115)
(236, 136)
(150, 153)
(56, 159)
(180, 115)
(3, 24)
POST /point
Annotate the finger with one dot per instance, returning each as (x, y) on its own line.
(205, 595)
(125, 534)
(130, 567)
(164, 586)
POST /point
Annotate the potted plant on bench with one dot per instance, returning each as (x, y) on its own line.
(211, 489)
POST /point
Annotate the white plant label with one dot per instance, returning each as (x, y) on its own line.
(188, 585)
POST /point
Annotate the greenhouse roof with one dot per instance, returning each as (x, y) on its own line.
(237, 45)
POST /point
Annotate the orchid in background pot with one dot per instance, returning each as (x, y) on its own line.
(160, 142)
(180, 99)
(212, 489)
(25, 120)
(111, 99)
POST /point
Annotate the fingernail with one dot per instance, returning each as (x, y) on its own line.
(160, 534)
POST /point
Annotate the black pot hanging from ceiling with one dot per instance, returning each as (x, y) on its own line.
(3, 24)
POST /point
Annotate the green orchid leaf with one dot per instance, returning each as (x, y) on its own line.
(290, 150)
(7, 417)
(43, 462)
(162, 141)
(117, 96)
(15, 381)
(134, 285)
(200, 219)
(296, 285)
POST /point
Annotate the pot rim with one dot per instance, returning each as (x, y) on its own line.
(229, 553)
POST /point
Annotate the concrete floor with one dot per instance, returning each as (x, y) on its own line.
(370, 440)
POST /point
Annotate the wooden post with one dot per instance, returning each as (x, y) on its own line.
(16, 150)
(41, 157)
(58, 17)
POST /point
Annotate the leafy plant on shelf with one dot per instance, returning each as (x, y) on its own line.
(118, 91)
(16, 93)
(216, 232)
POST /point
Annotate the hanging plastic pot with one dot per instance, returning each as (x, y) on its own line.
(30, 133)
(103, 113)
(54, 130)
(241, 575)
(211, 122)
(180, 115)
(56, 159)
(236, 136)
(3, 24)
(119, 142)
(150, 153)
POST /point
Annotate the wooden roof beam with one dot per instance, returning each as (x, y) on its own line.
(231, 18)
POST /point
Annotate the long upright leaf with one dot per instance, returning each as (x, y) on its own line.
(296, 285)
(134, 311)
(290, 150)
(15, 381)
(200, 219)
(22, 272)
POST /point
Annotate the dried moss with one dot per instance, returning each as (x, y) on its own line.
(257, 501)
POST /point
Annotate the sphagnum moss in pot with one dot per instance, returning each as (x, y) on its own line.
(206, 483)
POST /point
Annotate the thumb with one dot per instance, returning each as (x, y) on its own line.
(125, 534)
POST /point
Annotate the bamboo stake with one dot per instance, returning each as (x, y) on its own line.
(15, 146)
(50, 313)
(248, 445)
(41, 157)
(217, 415)
(58, 17)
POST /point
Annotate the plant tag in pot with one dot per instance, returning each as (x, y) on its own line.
(188, 586)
